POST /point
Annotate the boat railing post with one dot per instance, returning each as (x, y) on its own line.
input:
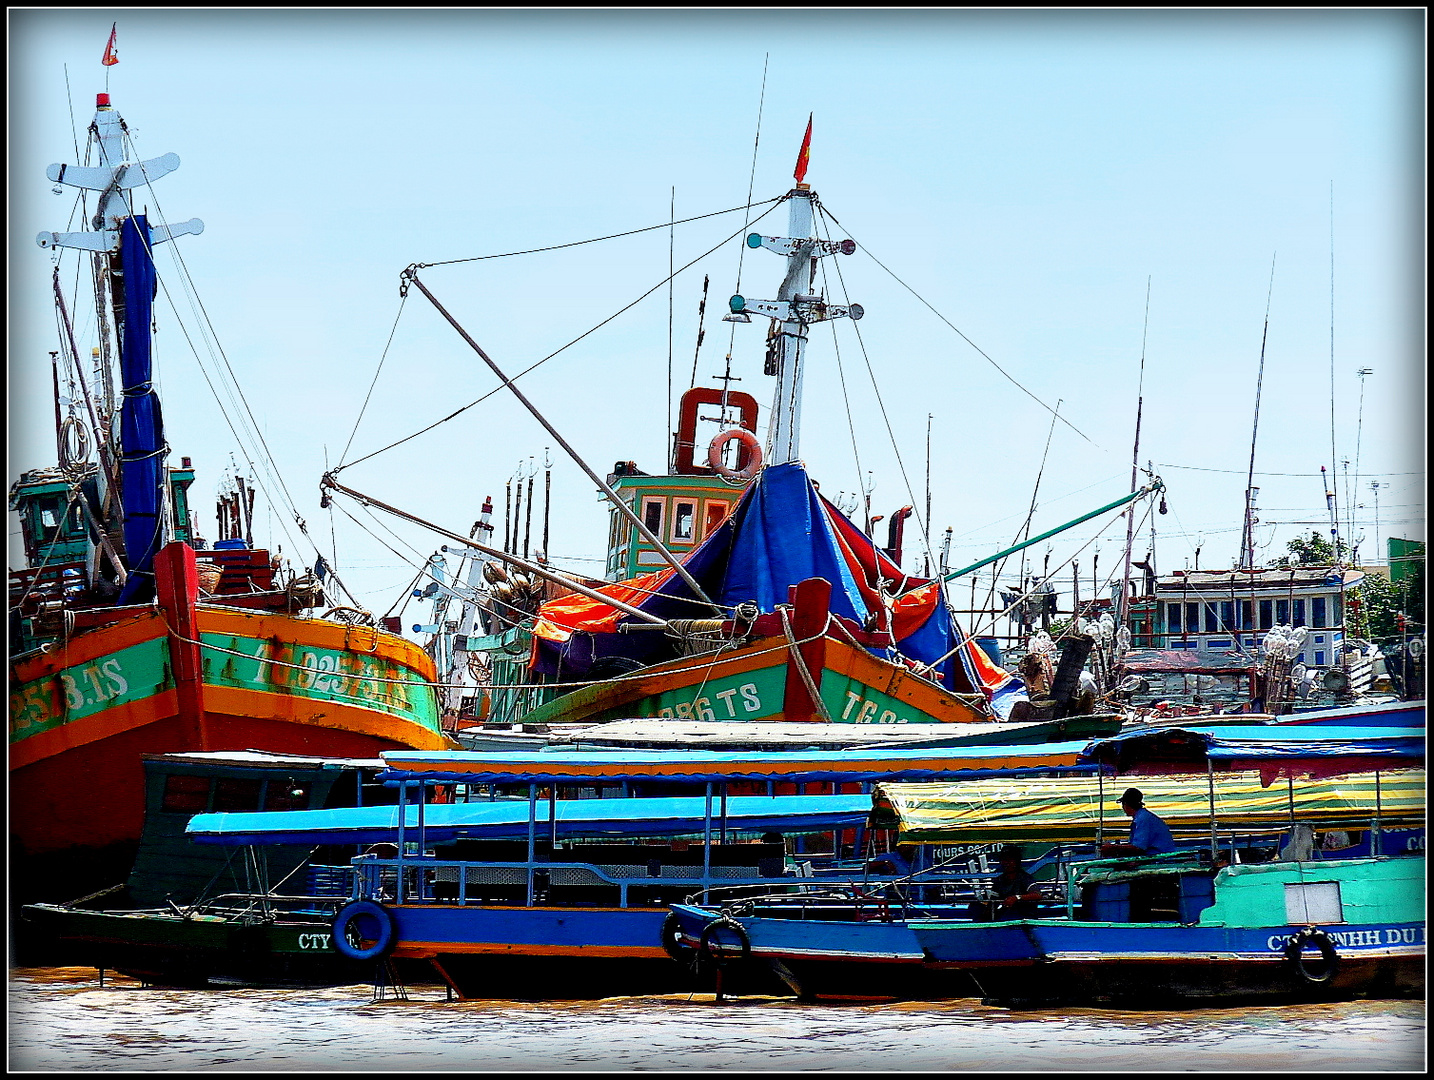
(722, 834)
(707, 845)
(423, 894)
(1376, 845)
(532, 836)
(1214, 838)
(1099, 807)
(553, 816)
(402, 815)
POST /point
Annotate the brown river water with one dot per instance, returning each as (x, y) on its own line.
(63, 1020)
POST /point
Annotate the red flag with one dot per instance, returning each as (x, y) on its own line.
(801, 170)
(110, 56)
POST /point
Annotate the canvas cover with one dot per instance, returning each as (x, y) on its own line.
(1081, 808)
(781, 532)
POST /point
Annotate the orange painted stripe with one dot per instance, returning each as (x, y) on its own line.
(90, 646)
(315, 712)
(291, 631)
(87, 729)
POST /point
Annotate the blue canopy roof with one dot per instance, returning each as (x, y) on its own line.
(507, 819)
(1292, 749)
(569, 766)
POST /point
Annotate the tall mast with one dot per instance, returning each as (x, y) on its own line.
(1247, 532)
(795, 308)
(126, 241)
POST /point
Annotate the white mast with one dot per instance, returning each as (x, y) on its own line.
(795, 308)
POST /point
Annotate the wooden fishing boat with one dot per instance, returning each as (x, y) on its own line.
(127, 641)
(548, 897)
(1232, 913)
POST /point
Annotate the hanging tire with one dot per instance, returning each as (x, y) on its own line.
(1294, 954)
(363, 930)
(717, 957)
(672, 940)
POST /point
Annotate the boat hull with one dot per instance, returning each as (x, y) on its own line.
(84, 713)
(548, 953)
(759, 681)
(170, 949)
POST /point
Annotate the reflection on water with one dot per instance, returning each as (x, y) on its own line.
(63, 1019)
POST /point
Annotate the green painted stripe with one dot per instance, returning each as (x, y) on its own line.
(340, 675)
(125, 676)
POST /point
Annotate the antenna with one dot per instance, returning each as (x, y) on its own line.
(1247, 541)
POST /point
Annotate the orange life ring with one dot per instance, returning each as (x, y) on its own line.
(747, 439)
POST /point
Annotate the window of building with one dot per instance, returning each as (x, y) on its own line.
(1338, 612)
(1299, 612)
(1247, 615)
(1192, 618)
(185, 794)
(1319, 611)
(1212, 620)
(684, 520)
(1227, 616)
(1267, 614)
(1282, 612)
(1172, 618)
(1319, 658)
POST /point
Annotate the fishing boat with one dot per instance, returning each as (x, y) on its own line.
(1263, 877)
(193, 915)
(549, 897)
(740, 592)
(130, 635)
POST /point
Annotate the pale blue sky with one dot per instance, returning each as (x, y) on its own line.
(1024, 172)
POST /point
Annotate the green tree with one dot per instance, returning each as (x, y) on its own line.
(1312, 550)
(1382, 602)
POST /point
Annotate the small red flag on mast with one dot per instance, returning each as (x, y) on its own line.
(801, 170)
(110, 56)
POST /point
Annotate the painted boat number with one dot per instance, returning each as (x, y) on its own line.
(1353, 939)
(315, 941)
(701, 708)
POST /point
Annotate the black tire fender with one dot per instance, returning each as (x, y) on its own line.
(363, 930)
(718, 957)
(671, 929)
(1294, 955)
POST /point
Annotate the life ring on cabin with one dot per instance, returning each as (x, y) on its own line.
(672, 940)
(718, 957)
(363, 930)
(1294, 953)
(719, 443)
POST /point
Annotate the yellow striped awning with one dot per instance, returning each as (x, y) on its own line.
(1074, 808)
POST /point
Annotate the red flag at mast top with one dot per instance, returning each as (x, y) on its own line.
(111, 57)
(801, 170)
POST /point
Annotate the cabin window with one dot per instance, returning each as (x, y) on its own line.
(1319, 614)
(1267, 614)
(1212, 620)
(1227, 616)
(1299, 611)
(1338, 612)
(1172, 618)
(185, 794)
(716, 514)
(236, 793)
(652, 515)
(1310, 903)
(684, 519)
(287, 794)
(1247, 615)
(1282, 612)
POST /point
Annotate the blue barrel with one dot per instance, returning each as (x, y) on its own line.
(992, 648)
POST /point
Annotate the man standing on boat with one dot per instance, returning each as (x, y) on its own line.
(1148, 834)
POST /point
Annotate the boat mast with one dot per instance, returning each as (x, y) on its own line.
(1247, 532)
(795, 308)
(126, 240)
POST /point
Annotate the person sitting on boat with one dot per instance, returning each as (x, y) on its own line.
(1148, 834)
(1014, 888)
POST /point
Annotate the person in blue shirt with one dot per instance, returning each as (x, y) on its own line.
(1148, 834)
